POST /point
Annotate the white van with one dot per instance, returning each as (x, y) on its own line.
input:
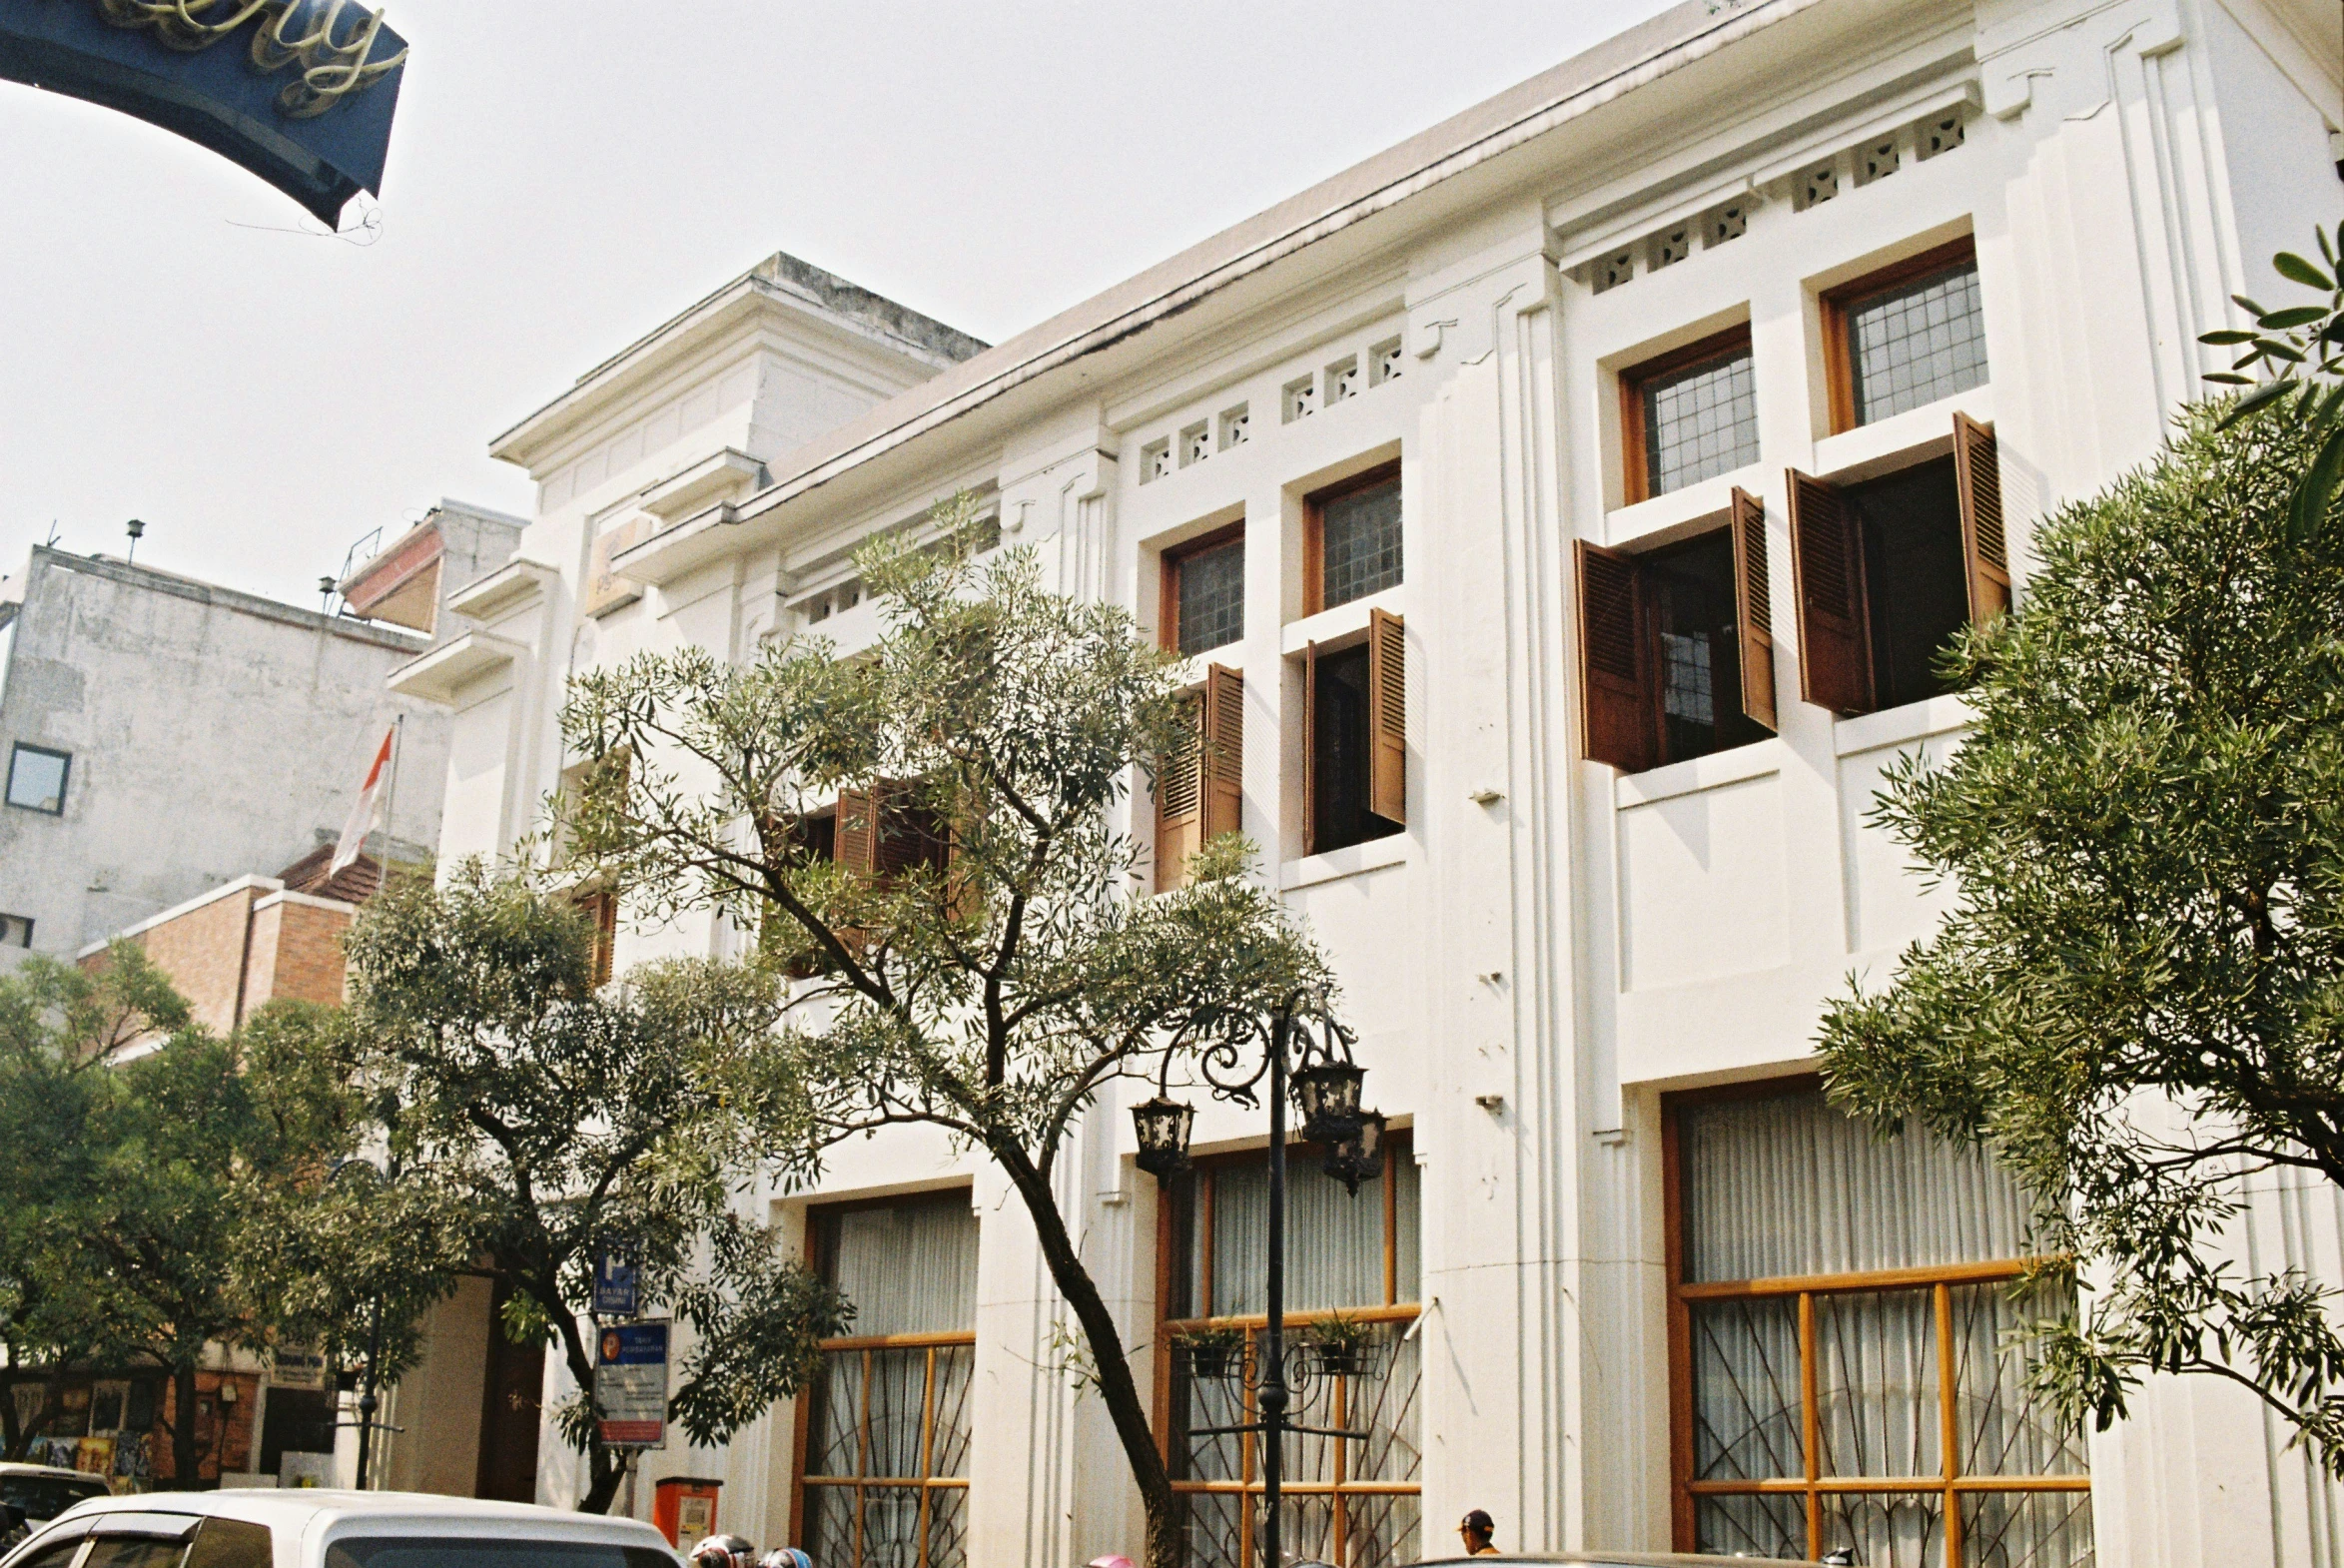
(326, 1529)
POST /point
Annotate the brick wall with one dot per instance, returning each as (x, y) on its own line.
(296, 950)
(202, 950)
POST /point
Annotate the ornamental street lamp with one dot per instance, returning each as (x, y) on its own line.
(1305, 1053)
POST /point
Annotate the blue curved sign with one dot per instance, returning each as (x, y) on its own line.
(299, 92)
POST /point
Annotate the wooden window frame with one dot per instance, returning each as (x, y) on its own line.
(1812, 1486)
(821, 1243)
(1168, 609)
(1387, 725)
(599, 906)
(1834, 634)
(1620, 701)
(1398, 1146)
(1635, 456)
(1834, 305)
(1315, 528)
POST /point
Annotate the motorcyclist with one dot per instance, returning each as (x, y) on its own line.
(785, 1557)
(724, 1551)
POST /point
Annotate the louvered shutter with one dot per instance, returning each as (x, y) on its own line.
(1387, 717)
(1615, 676)
(1827, 570)
(1753, 617)
(1223, 753)
(1977, 476)
(1179, 800)
(1310, 748)
(856, 845)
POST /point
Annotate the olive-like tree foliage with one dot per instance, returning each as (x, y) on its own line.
(995, 970)
(550, 1123)
(154, 1180)
(2137, 998)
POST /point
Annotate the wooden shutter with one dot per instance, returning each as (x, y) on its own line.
(1827, 570)
(1616, 694)
(1387, 717)
(1753, 586)
(1179, 802)
(856, 844)
(1978, 475)
(600, 907)
(1310, 748)
(1222, 762)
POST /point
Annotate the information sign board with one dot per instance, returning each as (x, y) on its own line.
(631, 1386)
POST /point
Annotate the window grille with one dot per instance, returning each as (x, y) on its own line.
(1154, 461)
(1195, 444)
(1940, 136)
(1301, 399)
(1878, 161)
(1384, 362)
(1817, 185)
(1614, 270)
(883, 1478)
(1729, 222)
(1838, 1367)
(1342, 381)
(1670, 248)
(1351, 1503)
(1236, 427)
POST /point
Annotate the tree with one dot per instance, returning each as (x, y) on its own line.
(550, 1124)
(2137, 1000)
(973, 959)
(149, 1173)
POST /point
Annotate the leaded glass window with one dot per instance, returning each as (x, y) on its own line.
(1359, 542)
(1699, 419)
(1208, 597)
(1914, 343)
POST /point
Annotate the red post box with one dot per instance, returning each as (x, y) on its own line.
(684, 1509)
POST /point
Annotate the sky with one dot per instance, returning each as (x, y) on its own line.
(181, 344)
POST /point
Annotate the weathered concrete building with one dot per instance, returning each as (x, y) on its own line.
(162, 736)
(1861, 288)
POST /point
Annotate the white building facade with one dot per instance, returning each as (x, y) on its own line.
(1566, 503)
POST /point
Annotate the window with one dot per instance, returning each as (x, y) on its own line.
(16, 931)
(1199, 793)
(1888, 569)
(1351, 1503)
(1675, 646)
(1355, 739)
(1204, 594)
(236, 1543)
(36, 778)
(1905, 336)
(1838, 1375)
(455, 1551)
(883, 1450)
(1351, 542)
(1690, 416)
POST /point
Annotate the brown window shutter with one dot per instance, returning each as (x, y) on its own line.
(1310, 749)
(1387, 717)
(1180, 797)
(1615, 673)
(857, 842)
(1827, 570)
(1224, 759)
(601, 911)
(1978, 475)
(1753, 587)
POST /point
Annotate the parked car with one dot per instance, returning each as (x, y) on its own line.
(315, 1528)
(33, 1494)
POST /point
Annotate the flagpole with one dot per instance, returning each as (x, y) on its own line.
(391, 794)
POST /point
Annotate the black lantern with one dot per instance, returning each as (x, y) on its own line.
(1359, 1157)
(1162, 1126)
(1327, 1094)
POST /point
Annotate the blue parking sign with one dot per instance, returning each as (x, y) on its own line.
(615, 1286)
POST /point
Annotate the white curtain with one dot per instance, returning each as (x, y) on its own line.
(1787, 1185)
(1334, 1240)
(909, 1268)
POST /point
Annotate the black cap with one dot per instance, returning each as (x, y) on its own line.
(1479, 1522)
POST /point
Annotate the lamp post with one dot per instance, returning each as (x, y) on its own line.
(1305, 1053)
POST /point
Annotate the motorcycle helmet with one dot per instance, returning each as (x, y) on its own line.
(724, 1551)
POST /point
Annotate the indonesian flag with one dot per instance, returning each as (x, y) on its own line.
(366, 815)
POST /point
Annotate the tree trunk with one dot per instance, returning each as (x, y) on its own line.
(605, 1469)
(1116, 1389)
(185, 1467)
